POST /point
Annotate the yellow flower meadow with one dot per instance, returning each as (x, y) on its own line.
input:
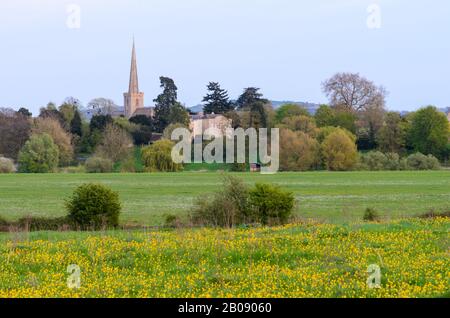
(303, 260)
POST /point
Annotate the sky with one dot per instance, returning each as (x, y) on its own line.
(285, 47)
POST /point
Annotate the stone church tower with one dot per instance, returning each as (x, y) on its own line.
(133, 99)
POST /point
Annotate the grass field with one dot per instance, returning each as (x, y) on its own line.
(147, 198)
(305, 260)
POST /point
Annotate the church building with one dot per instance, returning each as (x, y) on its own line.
(134, 99)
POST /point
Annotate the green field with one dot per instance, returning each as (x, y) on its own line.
(147, 198)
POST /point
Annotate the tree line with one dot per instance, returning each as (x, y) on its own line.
(353, 131)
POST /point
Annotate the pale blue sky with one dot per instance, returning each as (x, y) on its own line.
(286, 47)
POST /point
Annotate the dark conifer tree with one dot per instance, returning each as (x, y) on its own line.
(216, 101)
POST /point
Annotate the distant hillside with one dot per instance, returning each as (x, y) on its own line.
(311, 107)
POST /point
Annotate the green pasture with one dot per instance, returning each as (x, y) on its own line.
(147, 198)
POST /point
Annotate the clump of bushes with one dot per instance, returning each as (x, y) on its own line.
(371, 215)
(237, 204)
(419, 161)
(99, 165)
(377, 161)
(94, 206)
(43, 224)
(432, 214)
(7, 165)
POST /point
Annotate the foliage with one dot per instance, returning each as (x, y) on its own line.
(226, 208)
(270, 204)
(339, 151)
(371, 215)
(352, 92)
(178, 114)
(167, 134)
(39, 155)
(392, 136)
(100, 122)
(94, 206)
(7, 165)
(298, 151)
(301, 123)
(217, 100)
(164, 102)
(251, 95)
(324, 116)
(116, 144)
(142, 120)
(98, 165)
(76, 125)
(429, 133)
(419, 161)
(158, 157)
(102, 106)
(15, 130)
(60, 136)
(290, 110)
(327, 116)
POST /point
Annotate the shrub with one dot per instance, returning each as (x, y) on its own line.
(39, 155)
(158, 157)
(339, 151)
(61, 138)
(419, 161)
(270, 204)
(7, 165)
(226, 208)
(374, 161)
(432, 214)
(98, 165)
(94, 206)
(371, 215)
(299, 151)
(43, 224)
(116, 144)
(172, 221)
(392, 161)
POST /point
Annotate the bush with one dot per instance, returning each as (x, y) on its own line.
(339, 151)
(371, 215)
(158, 157)
(270, 204)
(419, 161)
(172, 221)
(39, 155)
(299, 151)
(61, 138)
(7, 165)
(226, 208)
(43, 224)
(98, 165)
(116, 144)
(94, 206)
(432, 214)
(374, 161)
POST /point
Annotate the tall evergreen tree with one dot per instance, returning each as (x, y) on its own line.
(251, 95)
(216, 100)
(164, 103)
(76, 124)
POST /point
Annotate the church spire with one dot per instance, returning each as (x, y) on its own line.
(134, 83)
